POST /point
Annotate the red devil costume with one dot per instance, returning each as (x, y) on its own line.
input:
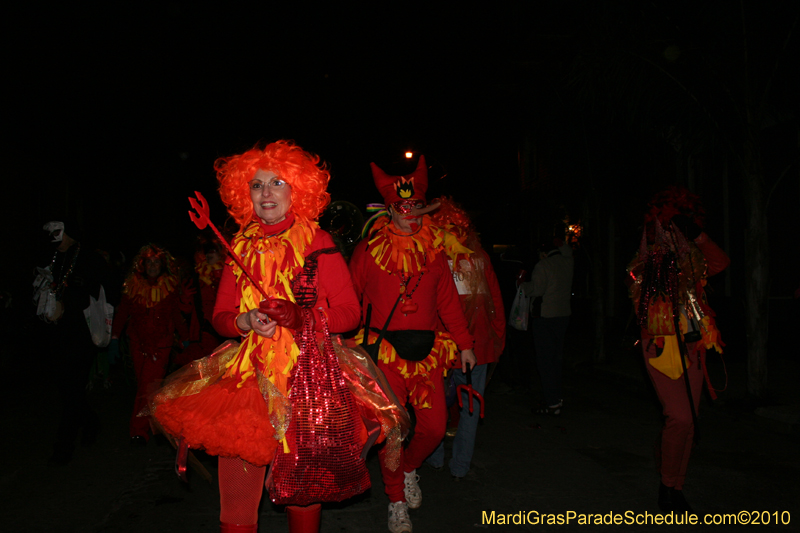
(668, 278)
(244, 402)
(203, 338)
(151, 310)
(402, 264)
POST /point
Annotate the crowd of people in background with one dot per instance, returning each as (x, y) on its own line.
(418, 299)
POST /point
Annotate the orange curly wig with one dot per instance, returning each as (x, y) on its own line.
(302, 170)
(153, 250)
(451, 212)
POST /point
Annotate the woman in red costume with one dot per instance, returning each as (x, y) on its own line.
(151, 310)
(668, 277)
(479, 292)
(275, 194)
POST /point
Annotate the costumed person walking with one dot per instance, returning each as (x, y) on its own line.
(552, 282)
(249, 404)
(150, 314)
(209, 261)
(668, 276)
(64, 288)
(400, 272)
(482, 303)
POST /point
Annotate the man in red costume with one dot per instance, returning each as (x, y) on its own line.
(400, 271)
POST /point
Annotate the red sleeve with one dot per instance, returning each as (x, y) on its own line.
(335, 294)
(448, 305)
(121, 315)
(226, 308)
(499, 322)
(716, 259)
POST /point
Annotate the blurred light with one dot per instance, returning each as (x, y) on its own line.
(409, 155)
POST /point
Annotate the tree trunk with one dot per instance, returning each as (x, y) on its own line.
(756, 258)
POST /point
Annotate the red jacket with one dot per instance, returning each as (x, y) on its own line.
(436, 294)
(335, 296)
(483, 310)
(150, 326)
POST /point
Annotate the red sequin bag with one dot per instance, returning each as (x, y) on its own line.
(324, 462)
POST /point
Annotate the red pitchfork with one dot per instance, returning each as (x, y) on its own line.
(202, 219)
(470, 392)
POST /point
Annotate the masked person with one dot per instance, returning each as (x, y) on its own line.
(482, 303)
(668, 276)
(275, 194)
(63, 291)
(400, 272)
(150, 313)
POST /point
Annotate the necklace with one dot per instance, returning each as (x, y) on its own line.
(57, 288)
(409, 306)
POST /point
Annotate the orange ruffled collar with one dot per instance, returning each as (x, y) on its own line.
(410, 253)
(138, 289)
(209, 274)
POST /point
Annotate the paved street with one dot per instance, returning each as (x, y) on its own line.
(595, 459)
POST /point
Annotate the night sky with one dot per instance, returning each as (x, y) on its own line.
(117, 112)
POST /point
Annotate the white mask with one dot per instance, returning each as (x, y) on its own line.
(56, 230)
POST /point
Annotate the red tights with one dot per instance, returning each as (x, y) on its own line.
(240, 487)
(678, 432)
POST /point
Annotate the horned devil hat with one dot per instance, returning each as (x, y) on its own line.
(399, 188)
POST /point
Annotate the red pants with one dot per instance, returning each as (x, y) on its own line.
(147, 373)
(428, 432)
(678, 432)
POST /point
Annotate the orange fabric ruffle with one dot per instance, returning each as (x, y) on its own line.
(273, 261)
(208, 274)
(225, 419)
(417, 373)
(410, 254)
(142, 292)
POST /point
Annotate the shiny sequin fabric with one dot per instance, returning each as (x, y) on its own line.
(323, 461)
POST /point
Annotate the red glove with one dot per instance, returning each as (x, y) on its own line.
(286, 313)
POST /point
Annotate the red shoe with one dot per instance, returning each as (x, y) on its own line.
(304, 519)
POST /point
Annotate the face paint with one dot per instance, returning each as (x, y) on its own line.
(56, 230)
(404, 207)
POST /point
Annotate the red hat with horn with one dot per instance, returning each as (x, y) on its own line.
(399, 188)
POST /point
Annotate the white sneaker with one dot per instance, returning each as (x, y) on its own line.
(399, 522)
(412, 491)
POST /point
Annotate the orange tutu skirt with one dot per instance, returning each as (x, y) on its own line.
(223, 420)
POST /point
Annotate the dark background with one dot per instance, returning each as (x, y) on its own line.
(115, 113)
